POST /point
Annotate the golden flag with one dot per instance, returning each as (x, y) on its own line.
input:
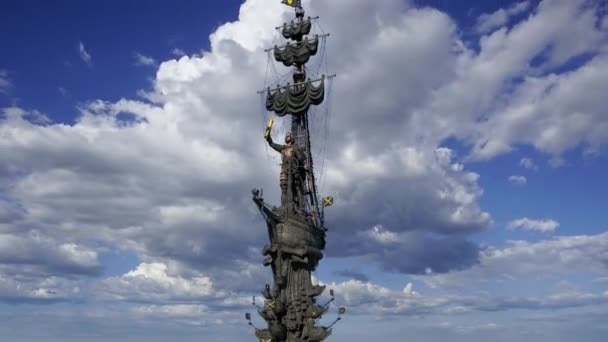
(328, 201)
(292, 3)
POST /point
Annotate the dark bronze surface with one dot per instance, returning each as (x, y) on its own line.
(295, 229)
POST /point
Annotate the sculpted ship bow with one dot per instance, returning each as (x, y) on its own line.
(296, 229)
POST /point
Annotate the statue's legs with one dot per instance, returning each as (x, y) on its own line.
(284, 196)
(299, 195)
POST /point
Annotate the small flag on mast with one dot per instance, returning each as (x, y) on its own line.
(328, 201)
(292, 3)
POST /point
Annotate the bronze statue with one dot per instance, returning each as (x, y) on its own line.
(292, 171)
(296, 230)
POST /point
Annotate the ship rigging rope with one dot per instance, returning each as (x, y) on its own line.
(318, 128)
(273, 79)
(278, 77)
(324, 52)
(315, 68)
(322, 149)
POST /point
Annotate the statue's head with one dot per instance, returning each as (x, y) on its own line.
(289, 138)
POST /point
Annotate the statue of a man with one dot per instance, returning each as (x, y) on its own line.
(292, 163)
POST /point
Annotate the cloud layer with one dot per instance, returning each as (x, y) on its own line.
(167, 178)
(543, 226)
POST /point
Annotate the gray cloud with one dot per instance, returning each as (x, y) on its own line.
(352, 274)
(556, 257)
(421, 254)
(369, 298)
(23, 284)
(53, 256)
(410, 252)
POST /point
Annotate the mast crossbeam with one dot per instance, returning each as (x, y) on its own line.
(283, 46)
(295, 84)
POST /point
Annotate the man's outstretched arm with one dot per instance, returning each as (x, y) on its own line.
(277, 147)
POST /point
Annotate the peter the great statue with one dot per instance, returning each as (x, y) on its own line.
(296, 228)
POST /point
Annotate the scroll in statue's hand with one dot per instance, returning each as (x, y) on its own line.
(268, 131)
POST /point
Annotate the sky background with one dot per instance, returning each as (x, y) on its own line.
(464, 144)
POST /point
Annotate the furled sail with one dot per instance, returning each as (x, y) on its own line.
(297, 53)
(295, 99)
(297, 30)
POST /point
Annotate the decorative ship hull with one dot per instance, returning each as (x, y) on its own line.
(294, 251)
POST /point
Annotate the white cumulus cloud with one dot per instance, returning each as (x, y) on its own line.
(521, 261)
(528, 163)
(518, 180)
(84, 54)
(488, 22)
(5, 83)
(543, 226)
(143, 60)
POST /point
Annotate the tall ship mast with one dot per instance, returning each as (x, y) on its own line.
(296, 228)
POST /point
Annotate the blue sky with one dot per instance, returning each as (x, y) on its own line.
(112, 32)
(466, 151)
